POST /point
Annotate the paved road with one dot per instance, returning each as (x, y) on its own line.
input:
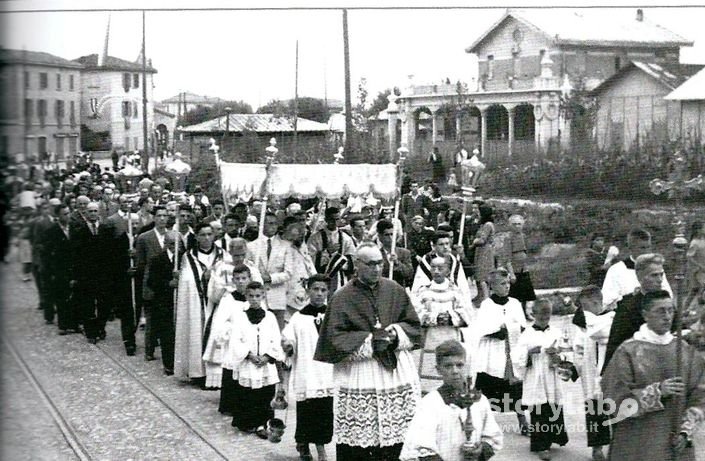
(106, 401)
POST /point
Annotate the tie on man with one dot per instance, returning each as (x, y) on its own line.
(269, 248)
(94, 231)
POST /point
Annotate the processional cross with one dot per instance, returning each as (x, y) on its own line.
(678, 187)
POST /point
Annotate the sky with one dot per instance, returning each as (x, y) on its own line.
(249, 54)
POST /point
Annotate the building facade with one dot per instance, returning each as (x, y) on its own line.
(631, 111)
(529, 62)
(40, 105)
(111, 107)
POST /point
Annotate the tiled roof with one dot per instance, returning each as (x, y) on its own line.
(670, 75)
(35, 57)
(90, 62)
(192, 98)
(260, 123)
(692, 89)
(593, 27)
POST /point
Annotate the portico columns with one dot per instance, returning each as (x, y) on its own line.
(483, 130)
(510, 112)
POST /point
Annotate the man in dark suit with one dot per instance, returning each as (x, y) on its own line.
(38, 229)
(58, 256)
(162, 280)
(148, 245)
(218, 212)
(90, 277)
(403, 270)
(118, 263)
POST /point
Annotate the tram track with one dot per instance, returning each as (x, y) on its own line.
(61, 417)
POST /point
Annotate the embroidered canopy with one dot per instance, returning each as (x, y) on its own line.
(307, 181)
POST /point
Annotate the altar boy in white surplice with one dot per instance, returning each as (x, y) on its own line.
(440, 429)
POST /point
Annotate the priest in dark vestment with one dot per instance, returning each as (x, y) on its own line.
(368, 333)
(628, 318)
(642, 383)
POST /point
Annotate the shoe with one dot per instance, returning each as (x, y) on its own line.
(545, 455)
(170, 372)
(63, 332)
(77, 330)
(49, 322)
(130, 350)
(102, 335)
(304, 452)
(93, 340)
(261, 432)
(149, 357)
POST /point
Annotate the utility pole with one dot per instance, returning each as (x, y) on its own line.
(296, 102)
(144, 97)
(348, 102)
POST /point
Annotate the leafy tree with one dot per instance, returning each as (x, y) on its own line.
(202, 113)
(381, 102)
(309, 108)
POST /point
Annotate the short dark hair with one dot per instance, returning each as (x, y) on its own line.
(439, 235)
(157, 208)
(229, 217)
(142, 201)
(447, 228)
(383, 225)
(449, 348)
(255, 286)
(241, 268)
(186, 207)
(331, 211)
(651, 297)
(217, 202)
(317, 278)
(200, 226)
(288, 221)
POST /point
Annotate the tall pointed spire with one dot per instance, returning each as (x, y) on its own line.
(103, 57)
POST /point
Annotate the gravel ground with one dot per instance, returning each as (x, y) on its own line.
(117, 419)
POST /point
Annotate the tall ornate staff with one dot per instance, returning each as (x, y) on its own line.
(678, 187)
(270, 154)
(131, 243)
(466, 196)
(403, 151)
(176, 256)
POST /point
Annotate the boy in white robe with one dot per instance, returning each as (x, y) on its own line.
(443, 313)
(255, 347)
(216, 355)
(592, 330)
(440, 429)
(311, 381)
(535, 361)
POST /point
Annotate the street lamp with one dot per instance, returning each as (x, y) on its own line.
(227, 124)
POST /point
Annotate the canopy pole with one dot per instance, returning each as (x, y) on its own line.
(400, 164)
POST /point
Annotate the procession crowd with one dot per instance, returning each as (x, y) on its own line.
(345, 309)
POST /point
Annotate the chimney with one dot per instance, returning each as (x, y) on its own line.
(639, 15)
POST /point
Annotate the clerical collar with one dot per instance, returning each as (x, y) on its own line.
(579, 318)
(255, 315)
(501, 300)
(629, 262)
(538, 328)
(310, 309)
(206, 252)
(452, 396)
